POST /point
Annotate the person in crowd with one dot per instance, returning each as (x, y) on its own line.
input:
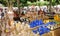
(0, 12)
(0, 29)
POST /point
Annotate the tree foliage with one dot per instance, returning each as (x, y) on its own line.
(32, 0)
(39, 3)
(24, 2)
(3, 2)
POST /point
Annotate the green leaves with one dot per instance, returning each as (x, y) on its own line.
(32, 0)
(23, 1)
(26, 2)
(39, 3)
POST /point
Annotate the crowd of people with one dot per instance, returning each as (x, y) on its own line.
(13, 24)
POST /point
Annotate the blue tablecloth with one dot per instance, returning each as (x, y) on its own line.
(42, 27)
(36, 23)
(50, 23)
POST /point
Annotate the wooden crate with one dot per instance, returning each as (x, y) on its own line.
(55, 32)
